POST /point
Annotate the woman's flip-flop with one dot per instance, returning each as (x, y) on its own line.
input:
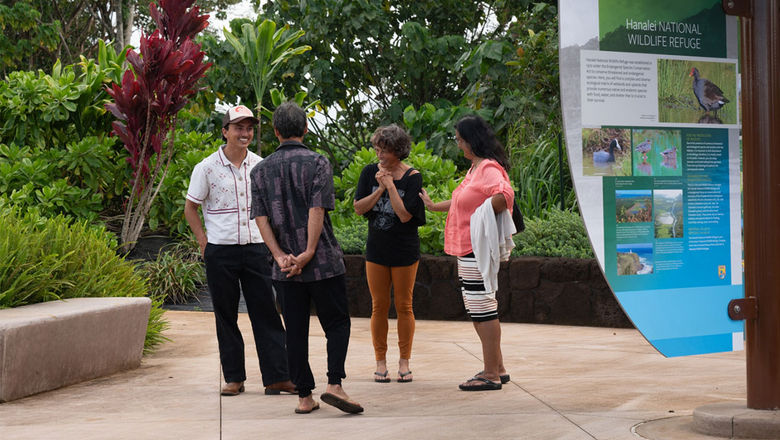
(486, 385)
(405, 377)
(504, 377)
(381, 377)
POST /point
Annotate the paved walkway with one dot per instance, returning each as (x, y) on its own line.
(567, 383)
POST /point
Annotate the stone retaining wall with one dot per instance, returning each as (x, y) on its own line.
(562, 291)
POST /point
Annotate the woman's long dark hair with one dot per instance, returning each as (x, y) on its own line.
(482, 140)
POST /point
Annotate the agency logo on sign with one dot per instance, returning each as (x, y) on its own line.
(722, 272)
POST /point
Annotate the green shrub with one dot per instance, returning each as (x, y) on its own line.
(556, 234)
(49, 110)
(80, 180)
(48, 259)
(440, 178)
(177, 274)
(352, 237)
(88, 178)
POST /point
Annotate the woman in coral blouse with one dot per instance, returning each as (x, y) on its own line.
(487, 178)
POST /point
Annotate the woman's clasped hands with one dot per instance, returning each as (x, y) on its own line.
(384, 178)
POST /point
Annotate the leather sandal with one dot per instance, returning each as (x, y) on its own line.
(314, 407)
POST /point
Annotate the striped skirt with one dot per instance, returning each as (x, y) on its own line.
(481, 305)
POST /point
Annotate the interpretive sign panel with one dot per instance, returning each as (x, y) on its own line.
(650, 92)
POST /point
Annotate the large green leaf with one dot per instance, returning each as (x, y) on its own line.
(240, 50)
(265, 43)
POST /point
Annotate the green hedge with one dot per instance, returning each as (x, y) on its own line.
(557, 234)
(80, 180)
(44, 259)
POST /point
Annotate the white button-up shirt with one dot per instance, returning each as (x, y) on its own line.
(225, 193)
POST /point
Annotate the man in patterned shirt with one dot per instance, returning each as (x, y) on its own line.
(236, 258)
(292, 190)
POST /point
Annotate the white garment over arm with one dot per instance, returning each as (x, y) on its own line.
(491, 241)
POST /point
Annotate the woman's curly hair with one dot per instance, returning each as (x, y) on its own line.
(392, 139)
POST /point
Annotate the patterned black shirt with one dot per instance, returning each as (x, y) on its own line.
(285, 185)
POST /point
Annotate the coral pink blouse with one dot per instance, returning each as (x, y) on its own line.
(486, 180)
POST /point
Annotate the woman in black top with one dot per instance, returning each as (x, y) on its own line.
(387, 195)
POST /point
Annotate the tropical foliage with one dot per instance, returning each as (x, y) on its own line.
(79, 180)
(146, 104)
(423, 64)
(262, 51)
(23, 31)
(45, 259)
(36, 33)
(177, 274)
(51, 110)
(560, 234)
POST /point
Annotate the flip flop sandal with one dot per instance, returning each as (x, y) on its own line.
(384, 378)
(342, 404)
(486, 385)
(402, 377)
(304, 411)
(504, 377)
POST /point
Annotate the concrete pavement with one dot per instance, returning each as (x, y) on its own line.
(567, 383)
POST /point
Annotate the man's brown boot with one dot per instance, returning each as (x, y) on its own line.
(233, 388)
(285, 386)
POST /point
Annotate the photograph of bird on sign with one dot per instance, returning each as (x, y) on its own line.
(606, 151)
(697, 92)
(655, 152)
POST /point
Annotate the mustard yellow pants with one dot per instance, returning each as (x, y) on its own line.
(401, 278)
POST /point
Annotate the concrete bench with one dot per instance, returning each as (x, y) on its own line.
(53, 344)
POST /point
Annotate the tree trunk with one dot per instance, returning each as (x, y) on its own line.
(129, 15)
(116, 6)
(259, 127)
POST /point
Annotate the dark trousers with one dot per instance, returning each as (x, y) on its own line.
(330, 301)
(231, 270)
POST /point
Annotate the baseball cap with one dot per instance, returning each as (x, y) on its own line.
(236, 114)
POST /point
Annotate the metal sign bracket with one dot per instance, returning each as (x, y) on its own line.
(743, 308)
(740, 8)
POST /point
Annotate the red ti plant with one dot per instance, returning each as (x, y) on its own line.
(163, 78)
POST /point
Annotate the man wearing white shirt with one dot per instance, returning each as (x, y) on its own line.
(236, 258)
